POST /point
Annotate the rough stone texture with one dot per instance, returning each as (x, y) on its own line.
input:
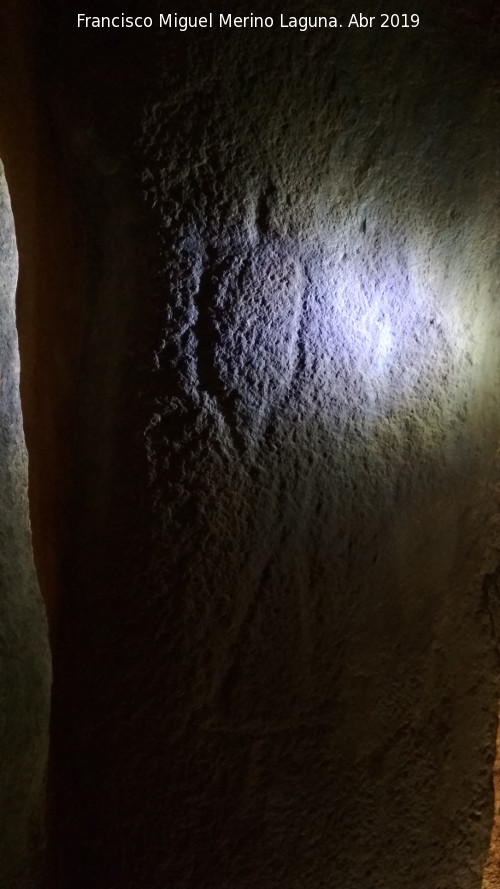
(491, 874)
(24, 657)
(277, 660)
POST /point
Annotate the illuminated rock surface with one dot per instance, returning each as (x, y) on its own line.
(277, 662)
(24, 659)
(491, 875)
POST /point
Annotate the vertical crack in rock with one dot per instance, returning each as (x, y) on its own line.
(207, 337)
(299, 372)
(264, 210)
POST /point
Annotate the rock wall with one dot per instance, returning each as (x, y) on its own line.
(491, 873)
(24, 655)
(49, 305)
(277, 660)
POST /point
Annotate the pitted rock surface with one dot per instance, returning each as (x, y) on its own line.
(289, 457)
(277, 661)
